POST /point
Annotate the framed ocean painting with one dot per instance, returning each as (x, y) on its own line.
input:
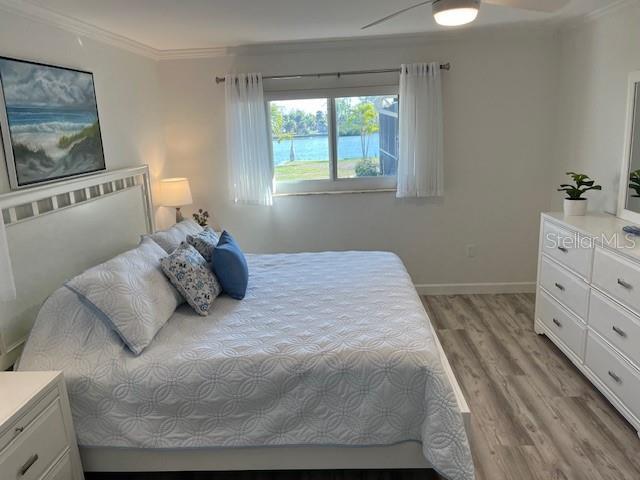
(49, 122)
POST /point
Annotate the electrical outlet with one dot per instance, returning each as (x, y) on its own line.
(471, 250)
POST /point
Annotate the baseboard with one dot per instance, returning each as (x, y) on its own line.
(475, 288)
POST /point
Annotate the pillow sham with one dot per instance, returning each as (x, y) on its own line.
(189, 272)
(230, 267)
(130, 293)
(170, 238)
(204, 242)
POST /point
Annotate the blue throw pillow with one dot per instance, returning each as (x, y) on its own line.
(230, 267)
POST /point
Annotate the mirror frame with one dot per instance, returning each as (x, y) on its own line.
(623, 212)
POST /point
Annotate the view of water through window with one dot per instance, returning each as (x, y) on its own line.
(313, 147)
(366, 132)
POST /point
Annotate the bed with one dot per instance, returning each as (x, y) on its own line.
(330, 361)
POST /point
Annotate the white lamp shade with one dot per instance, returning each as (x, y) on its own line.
(175, 192)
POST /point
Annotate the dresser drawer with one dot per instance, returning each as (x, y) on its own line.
(14, 430)
(566, 287)
(619, 327)
(614, 372)
(37, 447)
(568, 328)
(618, 277)
(569, 248)
(61, 470)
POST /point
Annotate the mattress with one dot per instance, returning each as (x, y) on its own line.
(331, 348)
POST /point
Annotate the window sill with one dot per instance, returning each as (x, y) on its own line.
(335, 192)
(344, 185)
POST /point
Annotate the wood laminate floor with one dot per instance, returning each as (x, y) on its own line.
(534, 416)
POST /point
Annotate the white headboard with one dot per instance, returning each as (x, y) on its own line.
(55, 232)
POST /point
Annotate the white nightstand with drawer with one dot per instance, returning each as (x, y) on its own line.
(37, 440)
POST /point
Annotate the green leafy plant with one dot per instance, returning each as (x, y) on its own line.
(634, 178)
(201, 217)
(582, 184)
(284, 128)
(366, 168)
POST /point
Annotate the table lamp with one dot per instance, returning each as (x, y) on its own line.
(175, 192)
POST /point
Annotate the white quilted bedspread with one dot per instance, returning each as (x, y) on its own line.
(325, 349)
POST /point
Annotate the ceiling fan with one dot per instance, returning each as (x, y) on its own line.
(451, 13)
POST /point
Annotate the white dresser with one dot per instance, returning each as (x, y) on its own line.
(37, 440)
(588, 302)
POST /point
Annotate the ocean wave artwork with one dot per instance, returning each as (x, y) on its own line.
(50, 128)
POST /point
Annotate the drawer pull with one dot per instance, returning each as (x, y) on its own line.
(620, 332)
(560, 287)
(18, 430)
(563, 249)
(624, 284)
(29, 463)
(615, 377)
(557, 322)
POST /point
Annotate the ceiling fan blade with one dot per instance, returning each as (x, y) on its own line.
(399, 12)
(535, 5)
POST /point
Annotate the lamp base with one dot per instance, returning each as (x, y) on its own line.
(179, 216)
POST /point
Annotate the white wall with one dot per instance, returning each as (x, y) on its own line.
(126, 89)
(596, 59)
(499, 111)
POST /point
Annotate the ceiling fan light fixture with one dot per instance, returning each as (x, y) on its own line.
(452, 13)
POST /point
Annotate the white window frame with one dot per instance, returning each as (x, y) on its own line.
(333, 184)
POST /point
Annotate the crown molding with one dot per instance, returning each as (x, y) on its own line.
(609, 9)
(596, 14)
(354, 43)
(44, 15)
(193, 53)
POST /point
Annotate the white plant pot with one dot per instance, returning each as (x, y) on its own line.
(575, 208)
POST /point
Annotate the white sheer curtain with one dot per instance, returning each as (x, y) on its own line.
(7, 285)
(247, 141)
(420, 163)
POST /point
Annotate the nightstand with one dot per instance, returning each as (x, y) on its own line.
(37, 440)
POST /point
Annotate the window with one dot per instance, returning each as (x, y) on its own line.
(300, 139)
(367, 136)
(329, 141)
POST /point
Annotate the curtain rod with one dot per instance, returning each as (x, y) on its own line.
(444, 66)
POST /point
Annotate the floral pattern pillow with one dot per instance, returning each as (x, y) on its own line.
(204, 242)
(189, 272)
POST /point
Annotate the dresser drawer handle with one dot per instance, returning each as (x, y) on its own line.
(563, 249)
(624, 284)
(18, 430)
(560, 287)
(620, 332)
(615, 377)
(29, 463)
(557, 322)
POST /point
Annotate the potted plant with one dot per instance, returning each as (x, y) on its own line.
(634, 178)
(201, 217)
(575, 204)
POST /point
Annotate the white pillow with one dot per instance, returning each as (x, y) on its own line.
(170, 238)
(130, 293)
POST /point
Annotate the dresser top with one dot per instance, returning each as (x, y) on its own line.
(605, 228)
(18, 388)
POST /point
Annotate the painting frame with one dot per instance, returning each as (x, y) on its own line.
(6, 136)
